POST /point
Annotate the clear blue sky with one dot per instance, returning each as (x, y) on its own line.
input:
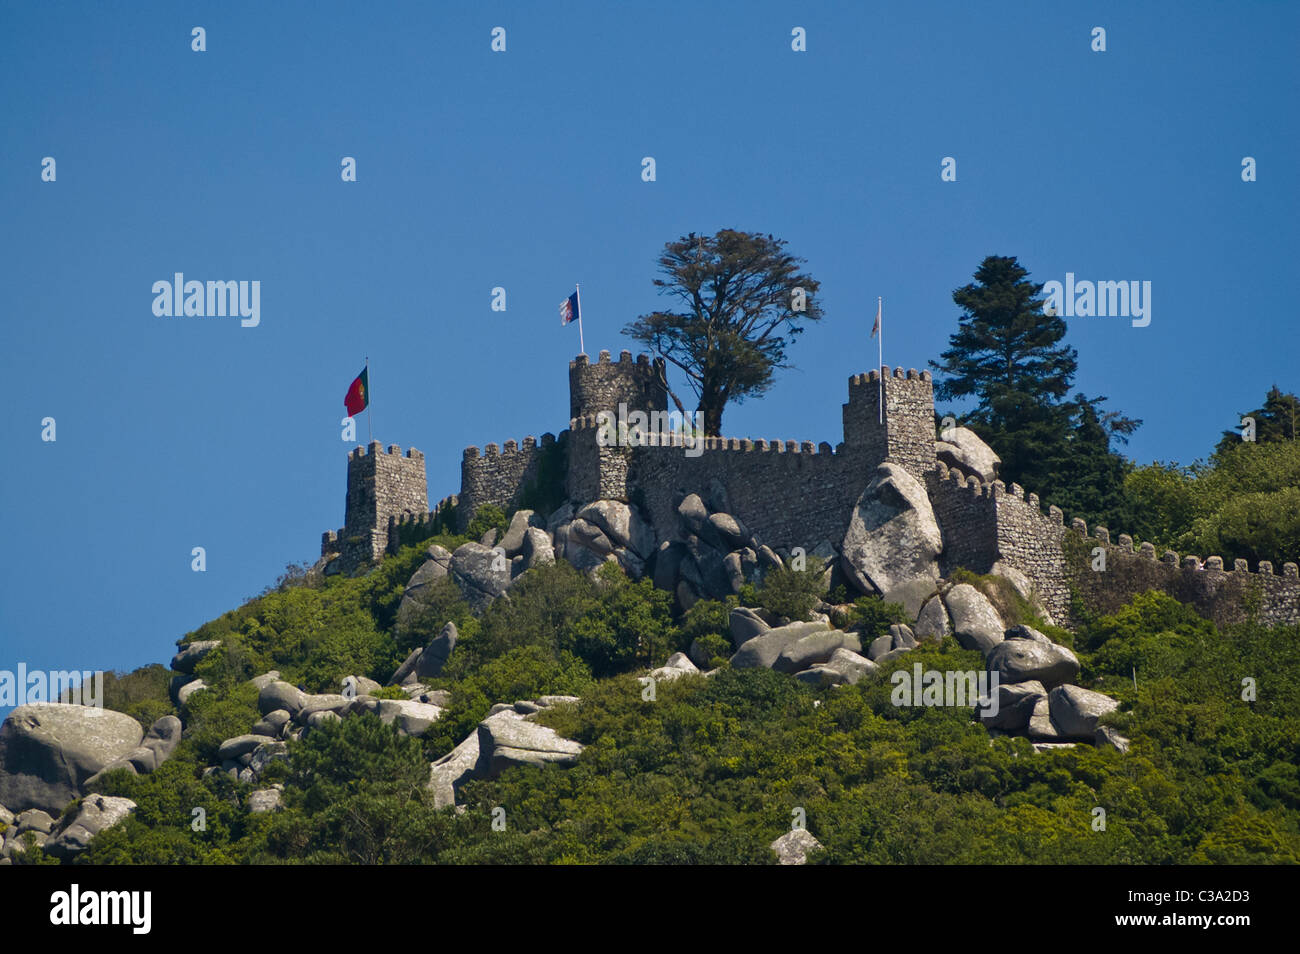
(523, 170)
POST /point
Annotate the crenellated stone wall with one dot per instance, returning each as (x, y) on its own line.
(381, 484)
(795, 494)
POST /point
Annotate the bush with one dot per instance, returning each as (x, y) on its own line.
(791, 593)
(486, 517)
(872, 616)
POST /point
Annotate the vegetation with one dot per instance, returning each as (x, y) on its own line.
(1008, 356)
(742, 300)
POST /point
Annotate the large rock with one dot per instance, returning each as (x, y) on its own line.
(192, 653)
(892, 537)
(794, 846)
(733, 534)
(410, 717)
(1016, 705)
(975, 622)
(436, 653)
(961, 447)
(49, 750)
(933, 623)
(695, 516)
(537, 549)
(452, 770)
(912, 595)
(280, 695)
(95, 814)
(745, 624)
(156, 747)
(232, 749)
(312, 705)
(1041, 727)
(1022, 660)
(505, 740)
(844, 666)
(1075, 711)
(513, 541)
(815, 648)
(264, 800)
(762, 651)
(418, 587)
(272, 724)
(622, 525)
(481, 574)
(182, 687)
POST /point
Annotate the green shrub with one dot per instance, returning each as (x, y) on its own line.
(486, 517)
(872, 616)
(791, 593)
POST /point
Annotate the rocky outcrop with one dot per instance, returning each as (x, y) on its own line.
(1022, 658)
(1016, 706)
(962, 448)
(192, 654)
(481, 573)
(506, 740)
(763, 650)
(95, 814)
(893, 538)
(1075, 711)
(794, 846)
(156, 747)
(49, 750)
(975, 622)
(813, 649)
(428, 662)
(845, 667)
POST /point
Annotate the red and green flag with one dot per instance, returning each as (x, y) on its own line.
(358, 397)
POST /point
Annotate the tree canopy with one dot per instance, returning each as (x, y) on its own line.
(740, 300)
(1008, 355)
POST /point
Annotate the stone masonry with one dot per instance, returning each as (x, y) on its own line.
(789, 493)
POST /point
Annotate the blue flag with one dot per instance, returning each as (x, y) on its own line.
(569, 309)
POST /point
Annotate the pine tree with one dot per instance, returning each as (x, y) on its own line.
(1008, 355)
(1277, 420)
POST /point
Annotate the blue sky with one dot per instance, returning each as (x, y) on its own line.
(522, 169)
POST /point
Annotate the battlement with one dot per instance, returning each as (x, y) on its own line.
(375, 448)
(510, 448)
(639, 383)
(788, 492)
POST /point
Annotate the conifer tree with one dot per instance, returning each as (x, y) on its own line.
(1009, 356)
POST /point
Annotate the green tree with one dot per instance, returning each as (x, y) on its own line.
(1277, 420)
(741, 299)
(1009, 357)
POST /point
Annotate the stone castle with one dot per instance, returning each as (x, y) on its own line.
(791, 494)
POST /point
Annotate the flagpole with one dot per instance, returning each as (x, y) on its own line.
(369, 430)
(577, 290)
(880, 341)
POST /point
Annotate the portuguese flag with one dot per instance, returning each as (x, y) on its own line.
(358, 397)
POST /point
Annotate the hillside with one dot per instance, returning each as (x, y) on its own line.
(693, 768)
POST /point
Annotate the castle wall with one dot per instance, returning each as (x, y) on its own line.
(793, 494)
(967, 518)
(499, 475)
(789, 494)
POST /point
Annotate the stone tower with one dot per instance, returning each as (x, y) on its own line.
(604, 385)
(906, 436)
(381, 484)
